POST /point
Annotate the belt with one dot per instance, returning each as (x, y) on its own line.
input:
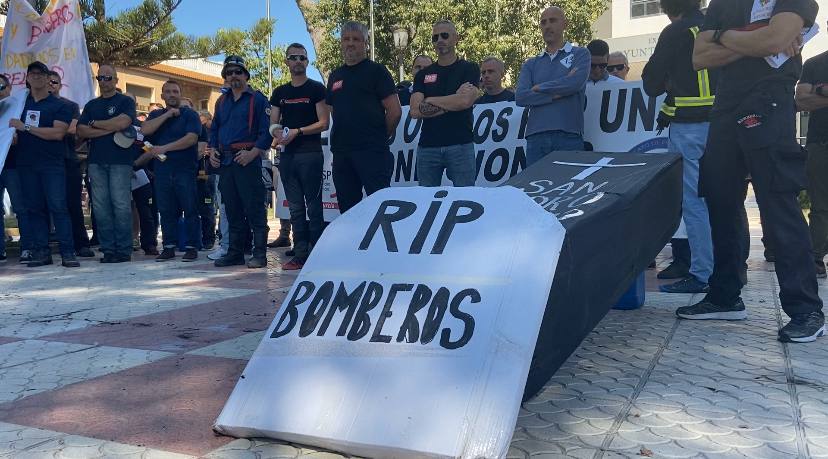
(240, 146)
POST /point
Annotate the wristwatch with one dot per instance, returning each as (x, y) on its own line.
(717, 36)
(27, 127)
(300, 131)
(91, 123)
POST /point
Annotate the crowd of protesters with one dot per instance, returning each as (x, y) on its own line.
(731, 115)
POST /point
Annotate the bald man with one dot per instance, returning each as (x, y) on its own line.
(492, 71)
(551, 85)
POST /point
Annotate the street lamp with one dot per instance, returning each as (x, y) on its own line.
(401, 43)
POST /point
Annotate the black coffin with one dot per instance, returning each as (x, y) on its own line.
(618, 216)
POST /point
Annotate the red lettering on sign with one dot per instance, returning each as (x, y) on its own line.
(50, 22)
(430, 78)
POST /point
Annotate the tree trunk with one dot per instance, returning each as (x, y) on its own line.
(306, 7)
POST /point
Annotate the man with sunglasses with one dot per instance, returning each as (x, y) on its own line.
(551, 85)
(444, 94)
(238, 137)
(74, 177)
(41, 154)
(110, 166)
(173, 131)
(598, 74)
(366, 111)
(299, 106)
(618, 65)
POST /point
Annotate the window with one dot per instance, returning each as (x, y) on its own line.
(143, 96)
(641, 8)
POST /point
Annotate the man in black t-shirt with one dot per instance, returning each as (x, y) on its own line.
(74, 178)
(812, 95)
(404, 88)
(41, 154)
(753, 133)
(110, 165)
(299, 106)
(444, 94)
(491, 78)
(365, 110)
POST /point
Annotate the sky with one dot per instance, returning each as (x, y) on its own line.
(205, 17)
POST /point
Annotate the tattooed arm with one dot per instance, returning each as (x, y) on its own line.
(422, 109)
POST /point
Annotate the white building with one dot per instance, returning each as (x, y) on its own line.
(633, 26)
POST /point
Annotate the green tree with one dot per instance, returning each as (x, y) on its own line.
(507, 29)
(252, 46)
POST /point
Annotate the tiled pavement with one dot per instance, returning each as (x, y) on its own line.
(136, 360)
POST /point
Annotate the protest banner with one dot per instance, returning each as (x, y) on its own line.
(55, 38)
(618, 117)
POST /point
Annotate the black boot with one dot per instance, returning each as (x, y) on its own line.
(259, 259)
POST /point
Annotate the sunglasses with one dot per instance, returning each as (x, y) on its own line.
(602, 66)
(297, 57)
(437, 36)
(235, 72)
(616, 68)
(2, 87)
(104, 77)
(54, 81)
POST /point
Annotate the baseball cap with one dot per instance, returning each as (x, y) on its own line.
(37, 65)
(237, 61)
(125, 138)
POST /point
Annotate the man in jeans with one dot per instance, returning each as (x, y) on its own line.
(552, 86)
(110, 166)
(444, 93)
(40, 162)
(690, 96)
(173, 132)
(812, 95)
(299, 106)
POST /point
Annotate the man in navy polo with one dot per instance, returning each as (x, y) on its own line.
(110, 166)
(173, 131)
(238, 137)
(41, 165)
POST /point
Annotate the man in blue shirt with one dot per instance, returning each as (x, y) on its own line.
(110, 166)
(552, 86)
(238, 138)
(40, 163)
(173, 131)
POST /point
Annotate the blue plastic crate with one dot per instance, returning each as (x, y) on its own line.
(633, 298)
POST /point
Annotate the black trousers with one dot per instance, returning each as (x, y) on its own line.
(355, 171)
(243, 195)
(207, 209)
(301, 175)
(74, 186)
(757, 138)
(147, 215)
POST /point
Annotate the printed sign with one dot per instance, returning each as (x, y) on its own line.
(400, 337)
(10, 107)
(619, 117)
(55, 38)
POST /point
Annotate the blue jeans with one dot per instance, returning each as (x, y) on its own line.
(10, 179)
(457, 160)
(175, 191)
(689, 139)
(44, 190)
(112, 202)
(541, 144)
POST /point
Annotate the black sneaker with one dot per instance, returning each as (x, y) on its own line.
(85, 252)
(676, 270)
(257, 262)
(229, 261)
(108, 258)
(705, 310)
(687, 285)
(803, 328)
(770, 256)
(167, 254)
(191, 254)
(122, 258)
(820, 269)
(3, 256)
(281, 241)
(25, 257)
(290, 253)
(40, 261)
(69, 261)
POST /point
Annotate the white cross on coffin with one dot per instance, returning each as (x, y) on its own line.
(593, 168)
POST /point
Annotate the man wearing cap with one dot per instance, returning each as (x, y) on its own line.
(110, 165)
(173, 131)
(40, 163)
(238, 137)
(366, 111)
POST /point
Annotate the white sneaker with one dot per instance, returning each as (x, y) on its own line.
(216, 254)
